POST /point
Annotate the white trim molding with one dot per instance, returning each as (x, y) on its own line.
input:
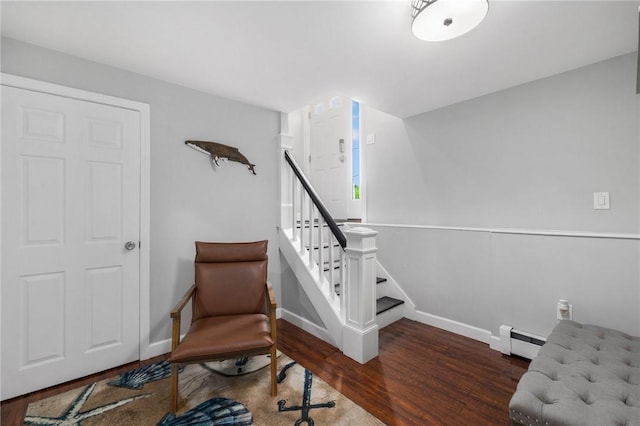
(456, 327)
(515, 231)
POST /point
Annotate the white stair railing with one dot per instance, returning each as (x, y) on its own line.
(343, 292)
(317, 237)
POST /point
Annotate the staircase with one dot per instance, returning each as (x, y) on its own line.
(385, 304)
(336, 266)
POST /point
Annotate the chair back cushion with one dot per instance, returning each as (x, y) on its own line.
(230, 278)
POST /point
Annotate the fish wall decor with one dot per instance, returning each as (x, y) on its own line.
(220, 152)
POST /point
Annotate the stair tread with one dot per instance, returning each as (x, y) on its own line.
(315, 247)
(385, 303)
(317, 225)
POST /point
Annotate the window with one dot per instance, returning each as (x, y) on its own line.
(355, 150)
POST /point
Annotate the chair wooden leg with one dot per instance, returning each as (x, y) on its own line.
(173, 395)
(274, 372)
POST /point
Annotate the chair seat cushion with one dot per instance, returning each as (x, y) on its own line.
(224, 337)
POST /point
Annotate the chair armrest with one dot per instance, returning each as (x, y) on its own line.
(175, 317)
(271, 295)
(272, 311)
(183, 302)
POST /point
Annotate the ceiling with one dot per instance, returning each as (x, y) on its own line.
(283, 55)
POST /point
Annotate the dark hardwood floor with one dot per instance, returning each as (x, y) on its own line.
(422, 376)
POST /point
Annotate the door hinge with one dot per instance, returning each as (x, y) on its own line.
(309, 158)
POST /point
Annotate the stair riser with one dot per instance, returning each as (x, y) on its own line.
(389, 317)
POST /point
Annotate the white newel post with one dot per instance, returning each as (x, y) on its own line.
(285, 141)
(360, 334)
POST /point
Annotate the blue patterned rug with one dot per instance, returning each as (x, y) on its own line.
(234, 392)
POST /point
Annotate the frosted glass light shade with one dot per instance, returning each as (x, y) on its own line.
(440, 20)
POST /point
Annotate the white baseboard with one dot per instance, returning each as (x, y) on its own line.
(306, 325)
(164, 346)
(157, 348)
(452, 326)
(495, 343)
(456, 327)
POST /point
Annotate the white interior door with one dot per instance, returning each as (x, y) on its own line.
(70, 202)
(330, 145)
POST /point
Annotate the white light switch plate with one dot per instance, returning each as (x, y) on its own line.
(601, 200)
(371, 138)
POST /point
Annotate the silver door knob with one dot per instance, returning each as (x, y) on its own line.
(129, 245)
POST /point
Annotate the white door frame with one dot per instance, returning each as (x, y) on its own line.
(145, 179)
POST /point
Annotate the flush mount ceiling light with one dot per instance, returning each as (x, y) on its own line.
(438, 20)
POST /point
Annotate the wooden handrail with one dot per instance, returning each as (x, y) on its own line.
(333, 226)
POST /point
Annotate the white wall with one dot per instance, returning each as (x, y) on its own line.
(190, 199)
(529, 157)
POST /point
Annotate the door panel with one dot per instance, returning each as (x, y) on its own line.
(43, 198)
(330, 124)
(70, 201)
(104, 307)
(42, 304)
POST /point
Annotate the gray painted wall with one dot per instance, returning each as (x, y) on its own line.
(190, 199)
(527, 157)
(485, 279)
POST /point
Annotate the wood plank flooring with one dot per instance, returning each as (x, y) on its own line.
(423, 376)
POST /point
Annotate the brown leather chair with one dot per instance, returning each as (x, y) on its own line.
(234, 309)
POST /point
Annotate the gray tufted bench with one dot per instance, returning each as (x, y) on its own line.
(583, 375)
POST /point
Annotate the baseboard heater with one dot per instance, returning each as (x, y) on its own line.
(521, 343)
